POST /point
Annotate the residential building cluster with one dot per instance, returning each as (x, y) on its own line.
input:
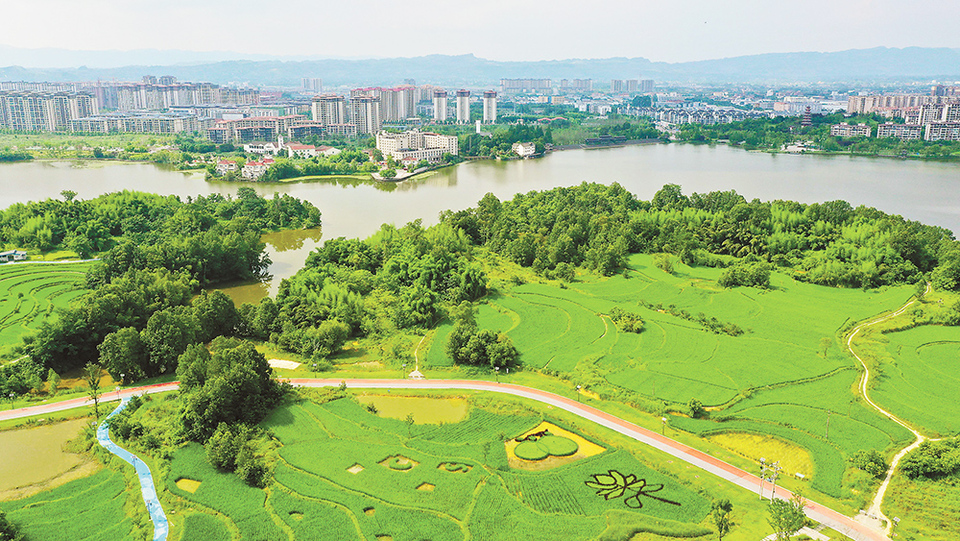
(631, 86)
(154, 105)
(931, 117)
(415, 145)
(152, 96)
(29, 110)
(707, 115)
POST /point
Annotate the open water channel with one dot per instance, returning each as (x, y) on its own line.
(928, 192)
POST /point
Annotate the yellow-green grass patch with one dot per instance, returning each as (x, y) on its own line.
(423, 409)
(188, 485)
(793, 458)
(585, 448)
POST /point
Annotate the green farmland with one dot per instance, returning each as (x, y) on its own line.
(785, 376)
(343, 473)
(29, 294)
(90, 509)
(921, 377)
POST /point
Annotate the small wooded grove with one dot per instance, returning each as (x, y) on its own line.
(164, 223)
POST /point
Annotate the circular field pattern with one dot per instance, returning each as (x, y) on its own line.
(558, 446)
(530, 450)
(545, 446)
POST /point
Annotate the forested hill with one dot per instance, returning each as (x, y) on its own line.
(156, 254)
(412, 277)
(597, 226)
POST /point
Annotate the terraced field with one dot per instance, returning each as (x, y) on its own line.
(787, 375)
(346, 473)
(29, 294)
(89, 509)
(921, 378)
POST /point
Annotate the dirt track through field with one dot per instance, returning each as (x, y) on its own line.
(874, 514)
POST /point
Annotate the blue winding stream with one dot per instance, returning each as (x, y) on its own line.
(160, 525)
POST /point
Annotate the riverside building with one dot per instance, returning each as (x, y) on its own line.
(417, 145)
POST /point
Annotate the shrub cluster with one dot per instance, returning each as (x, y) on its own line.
(233, 448)
(870, 461)
(626, 321)
(933, 459)
(746, 274)
(468, 345)
(711, 324)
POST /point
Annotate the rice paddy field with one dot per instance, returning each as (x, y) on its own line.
(787, 376)
(344, 472)
(29, 294)
(88, 509)
(921, 378)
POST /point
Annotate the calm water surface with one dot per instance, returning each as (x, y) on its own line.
(925, 191)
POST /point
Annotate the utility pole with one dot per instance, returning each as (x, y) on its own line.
(763, 471)
(578, 393)
(828, 424)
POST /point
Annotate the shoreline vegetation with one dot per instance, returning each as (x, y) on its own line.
(190, 153)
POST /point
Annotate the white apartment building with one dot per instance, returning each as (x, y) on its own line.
(847, 130)
(417, 145)
(137, 123)
(463, 106)
(900, 131)
(489, 107)
(440, 105)
(329, 109)
(365, 114)
(942, 131)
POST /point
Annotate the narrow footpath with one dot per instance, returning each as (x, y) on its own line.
(832, 519)
(147, 488)
(874, 515)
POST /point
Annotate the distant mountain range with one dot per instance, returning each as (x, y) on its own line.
(857, 65)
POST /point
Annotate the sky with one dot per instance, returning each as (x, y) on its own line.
(660, 30)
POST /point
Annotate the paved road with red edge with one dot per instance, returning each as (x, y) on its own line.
(839, 522)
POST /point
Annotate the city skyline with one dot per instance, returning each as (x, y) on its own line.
(688, 30)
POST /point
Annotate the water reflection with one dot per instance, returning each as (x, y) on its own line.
(287, 251)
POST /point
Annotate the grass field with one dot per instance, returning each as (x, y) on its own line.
(787, 375)
(921, 378)
(346, 473)
(89, 509)
(30, 293)
(928, 510)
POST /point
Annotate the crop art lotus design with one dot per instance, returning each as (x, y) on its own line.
(613, 484)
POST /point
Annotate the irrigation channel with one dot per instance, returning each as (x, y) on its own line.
(846, 525)
(147, 488)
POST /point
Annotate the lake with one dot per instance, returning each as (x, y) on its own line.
(918, 190)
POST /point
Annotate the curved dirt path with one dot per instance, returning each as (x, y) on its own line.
(833, 519)
(875, 513)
